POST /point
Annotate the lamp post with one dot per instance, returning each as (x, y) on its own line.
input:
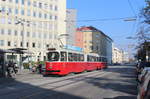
(22, 22)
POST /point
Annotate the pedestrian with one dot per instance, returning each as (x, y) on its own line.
(40, 68)
(30, 66)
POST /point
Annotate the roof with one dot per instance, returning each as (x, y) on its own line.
(91, 28)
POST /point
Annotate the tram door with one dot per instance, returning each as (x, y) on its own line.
(2, 64)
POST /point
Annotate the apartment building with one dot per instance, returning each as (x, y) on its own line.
(93, 40)
(117, 55)
(32, 24)
(71, 25)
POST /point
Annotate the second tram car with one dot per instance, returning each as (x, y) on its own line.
(63, 62)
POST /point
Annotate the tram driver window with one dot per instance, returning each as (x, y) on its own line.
(63, 56)
(53, 56)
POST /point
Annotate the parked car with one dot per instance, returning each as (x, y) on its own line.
(144, 86)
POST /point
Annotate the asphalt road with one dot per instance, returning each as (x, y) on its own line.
(116, 82)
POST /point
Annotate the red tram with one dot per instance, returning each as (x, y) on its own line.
(63, 62)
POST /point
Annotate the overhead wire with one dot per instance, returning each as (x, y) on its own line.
(132, 8)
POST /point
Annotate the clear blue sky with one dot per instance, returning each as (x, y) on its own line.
(118, 30)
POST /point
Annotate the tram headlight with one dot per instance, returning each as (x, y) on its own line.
(50, 67)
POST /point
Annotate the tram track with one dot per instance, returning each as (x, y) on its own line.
(72, 82)
(73, 79)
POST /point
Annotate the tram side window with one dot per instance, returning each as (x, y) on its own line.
(75, 57)
(99, 59)
(63, 56)
(81, 57)
(103, 59)
(70, 56)
(88, 58)
(53, 56)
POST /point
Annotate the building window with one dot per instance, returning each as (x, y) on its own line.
(9, 43)
(21, 44)
(29, 3)
(40, 5)
(45, 6)
(45, 36)
(16, 11)
(45, 16)
(28, 12)
(28, 34)
(51, 7)
(9, 32)
(55, 17)
(33, 45)
(9, 20)
(15, 43)
(22, 2)
(9, 10)
(15, 33)
(56, 8)
(17, 1)
(34, 14)
(22, 12)
(33, 34)
(39, 45)
(21, 34)
(3, 9)
(50, 17)
(40, 15)
(10, 0)
(2, 19)
(27, 44)
(34, 3)
(39, 35)
(1, 42)
(2, 31)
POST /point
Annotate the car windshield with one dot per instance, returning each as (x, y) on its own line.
(53, 56)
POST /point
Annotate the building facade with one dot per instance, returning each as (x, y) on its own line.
(93, 40)
(117, 55)
(32, 24)
(71, 25)
(79, 38)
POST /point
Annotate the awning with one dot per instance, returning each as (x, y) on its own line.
(6, 51)
(21, 50)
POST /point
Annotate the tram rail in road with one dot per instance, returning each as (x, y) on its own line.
(52, 84)
(65, 83)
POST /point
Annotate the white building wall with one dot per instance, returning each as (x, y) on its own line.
(117, 55)
(43, 21)
(109, 51)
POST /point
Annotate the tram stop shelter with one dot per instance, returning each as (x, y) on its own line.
(3, 61)
(3, 58)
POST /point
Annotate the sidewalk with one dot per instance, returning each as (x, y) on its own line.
(23, 72)
(4, 80)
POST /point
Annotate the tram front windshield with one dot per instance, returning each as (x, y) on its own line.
(53, 56)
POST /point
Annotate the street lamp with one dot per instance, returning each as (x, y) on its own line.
(130, 19)
(22, 22)
(130, 37)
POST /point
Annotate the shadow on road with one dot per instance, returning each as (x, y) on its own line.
(12, 89)
(125, 82)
